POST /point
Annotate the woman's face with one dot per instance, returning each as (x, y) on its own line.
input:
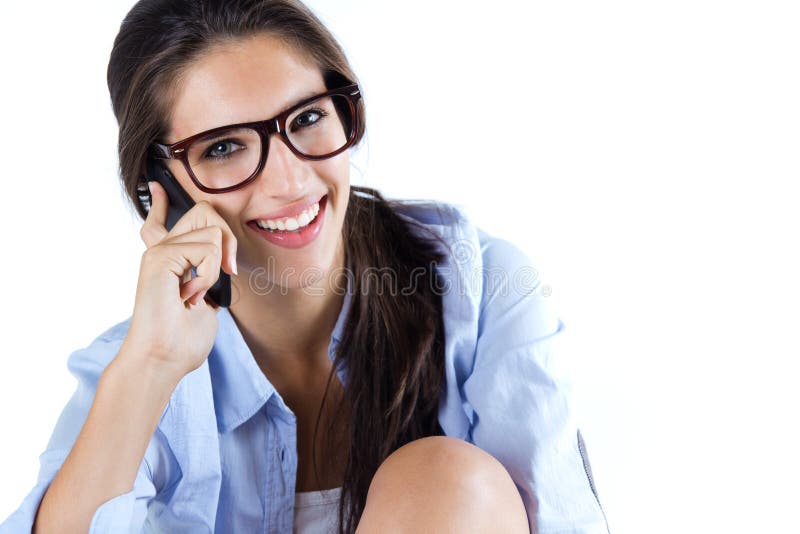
(254, 79)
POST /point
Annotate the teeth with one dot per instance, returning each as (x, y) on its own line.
(291, 223)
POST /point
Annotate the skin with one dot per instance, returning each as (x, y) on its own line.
(288, 327)
(441, 484)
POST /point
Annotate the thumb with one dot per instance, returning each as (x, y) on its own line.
(154, 229)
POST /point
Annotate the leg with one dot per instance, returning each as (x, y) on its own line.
(441, 484)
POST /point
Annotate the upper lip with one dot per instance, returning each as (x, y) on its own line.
(292, 210)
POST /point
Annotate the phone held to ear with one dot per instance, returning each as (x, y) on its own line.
(179, 203)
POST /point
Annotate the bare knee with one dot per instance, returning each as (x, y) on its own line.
(442, 484)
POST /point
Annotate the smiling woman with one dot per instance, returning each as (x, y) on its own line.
(314, 400)
(238, 83)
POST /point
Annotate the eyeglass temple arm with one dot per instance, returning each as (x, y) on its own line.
(160, 151)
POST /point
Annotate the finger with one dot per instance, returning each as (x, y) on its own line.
(202, 215)
(208, 269)
(206, 234)
(206, 272)
(153, 230)
(190, 291)
(187, 276)
(195, 289)
(211, 303)
(198, 297)
(210, 234)
(175, 259)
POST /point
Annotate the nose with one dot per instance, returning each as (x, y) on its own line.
(284, 173)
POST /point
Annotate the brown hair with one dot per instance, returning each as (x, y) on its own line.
(393, 342)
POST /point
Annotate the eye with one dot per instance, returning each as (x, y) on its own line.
(223, 149)
(308, 118)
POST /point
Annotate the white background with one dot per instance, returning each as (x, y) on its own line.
(644, 154)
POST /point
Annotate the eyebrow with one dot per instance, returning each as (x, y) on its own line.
(307, 94)
(301, 98)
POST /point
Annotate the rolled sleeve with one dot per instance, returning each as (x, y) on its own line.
(22, 519)
(123, 513)
(518, 392)
(126, 512)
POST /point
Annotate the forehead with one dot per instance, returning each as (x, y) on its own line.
(248, 79)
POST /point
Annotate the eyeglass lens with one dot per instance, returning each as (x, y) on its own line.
(229, 157)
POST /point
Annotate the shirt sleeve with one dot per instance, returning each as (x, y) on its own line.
(123, 513)
(518, 394)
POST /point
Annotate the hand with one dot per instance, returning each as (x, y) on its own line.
(172, 324)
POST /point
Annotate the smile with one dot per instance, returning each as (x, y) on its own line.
(302, 220)
(293, 232)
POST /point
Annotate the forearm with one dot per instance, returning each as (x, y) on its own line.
(102, 464)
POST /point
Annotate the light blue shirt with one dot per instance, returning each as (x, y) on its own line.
(224, 459)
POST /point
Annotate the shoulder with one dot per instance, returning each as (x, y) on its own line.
(429, 212)
(457, 222)
(496, 311)
(88, 363)
(485, 262)
(492, 290)
(449, 221)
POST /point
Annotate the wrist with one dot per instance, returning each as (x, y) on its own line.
(140, 365)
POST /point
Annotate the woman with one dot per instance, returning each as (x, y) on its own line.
(320, 396)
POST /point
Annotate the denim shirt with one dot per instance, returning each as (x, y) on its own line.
(223, 457)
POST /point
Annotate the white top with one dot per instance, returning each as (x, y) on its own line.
(317, 512)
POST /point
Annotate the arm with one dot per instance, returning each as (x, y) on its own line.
(518, 392)
(107, 506)
(118, 404)
(107, 454)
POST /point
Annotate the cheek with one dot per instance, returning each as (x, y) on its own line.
(336, 170)
(342, 190)
(228, 206)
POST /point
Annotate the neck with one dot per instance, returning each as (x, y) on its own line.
(288, 330)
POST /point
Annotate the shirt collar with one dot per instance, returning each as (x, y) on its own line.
(338, 328)
(239, 386)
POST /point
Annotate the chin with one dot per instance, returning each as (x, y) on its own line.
(280, 275)
(308, 268)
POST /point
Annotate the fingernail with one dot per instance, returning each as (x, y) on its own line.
(203, 294)
(150, 188)
(233, 264)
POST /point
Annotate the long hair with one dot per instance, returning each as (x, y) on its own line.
(393, 342)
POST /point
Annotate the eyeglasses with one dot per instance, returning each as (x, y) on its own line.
(229, 157)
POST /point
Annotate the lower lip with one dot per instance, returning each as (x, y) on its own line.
(297, 238)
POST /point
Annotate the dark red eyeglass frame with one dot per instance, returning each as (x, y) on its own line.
(265, 129)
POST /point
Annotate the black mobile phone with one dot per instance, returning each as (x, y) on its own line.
(179, 203)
